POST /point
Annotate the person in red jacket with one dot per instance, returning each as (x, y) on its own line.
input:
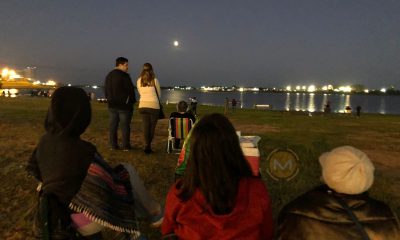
(217, 198)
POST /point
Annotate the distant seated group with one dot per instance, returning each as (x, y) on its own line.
(217, 198)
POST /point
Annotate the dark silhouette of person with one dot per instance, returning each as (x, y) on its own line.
(120, 94)
(193, 105)
(327, 108)
(234, 103)
(358, 110)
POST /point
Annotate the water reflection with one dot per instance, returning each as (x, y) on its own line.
(303, 102)
(347, 101)
(287, 102)
(241, 100)
(297, 104)
(324, 102)
(382, 106)
(311, 103)
(176, 97)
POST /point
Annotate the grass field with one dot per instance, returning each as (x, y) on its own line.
(21, 125)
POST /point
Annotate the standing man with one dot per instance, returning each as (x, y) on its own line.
(193, 105)
(120, 95)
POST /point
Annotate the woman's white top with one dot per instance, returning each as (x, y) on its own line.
(148, 96)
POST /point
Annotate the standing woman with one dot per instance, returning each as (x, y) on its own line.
(149, 107)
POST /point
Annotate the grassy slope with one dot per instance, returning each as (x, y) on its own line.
(21, 127)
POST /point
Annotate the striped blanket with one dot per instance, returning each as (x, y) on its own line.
(105, 197)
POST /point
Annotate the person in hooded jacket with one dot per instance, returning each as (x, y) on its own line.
(83, 192)
(341, 208)
(217, 198)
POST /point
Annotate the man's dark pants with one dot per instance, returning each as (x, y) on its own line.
(122, 118)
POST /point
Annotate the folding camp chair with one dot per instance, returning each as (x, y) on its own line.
(178, 128)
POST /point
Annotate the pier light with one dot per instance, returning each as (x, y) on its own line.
(298, 88)
(383, 90)
(241, 89)
(289, 88)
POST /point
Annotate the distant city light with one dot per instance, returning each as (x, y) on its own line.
(69, 85)
(298, 88)
(94, 86)
(50, 83)
(383, 90)
(241, 89)
(176, 43)
(288, 88)
(325, 88)
(303, 88)
(366, 91)
(4, 72)
(36, 83)
(311, 88)
(345, 89)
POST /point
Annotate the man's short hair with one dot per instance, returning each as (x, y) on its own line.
(120, 61)
(182, 106)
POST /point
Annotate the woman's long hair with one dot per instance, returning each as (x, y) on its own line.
(216, 164)
(147, 75)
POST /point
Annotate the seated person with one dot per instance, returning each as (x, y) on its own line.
(341, 209)
(217, 198)
(85, 194)
(181, 108)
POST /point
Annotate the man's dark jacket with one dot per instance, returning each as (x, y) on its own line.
(119, 90)
(317, 215)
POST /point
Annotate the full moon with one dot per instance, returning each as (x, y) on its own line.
(176, 43)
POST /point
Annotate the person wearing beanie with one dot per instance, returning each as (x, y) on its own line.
(340, 208)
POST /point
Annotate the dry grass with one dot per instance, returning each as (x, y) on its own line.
(21, 127)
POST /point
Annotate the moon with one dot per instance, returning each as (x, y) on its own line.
(176, 43)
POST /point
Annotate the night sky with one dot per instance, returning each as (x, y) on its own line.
(244, 43)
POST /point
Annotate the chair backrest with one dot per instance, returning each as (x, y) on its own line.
(180, 127)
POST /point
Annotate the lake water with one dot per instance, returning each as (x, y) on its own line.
(382, 104)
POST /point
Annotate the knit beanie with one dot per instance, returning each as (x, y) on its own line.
(347, 170)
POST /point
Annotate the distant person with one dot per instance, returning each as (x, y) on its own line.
(358, 109)
(218, 197)
(234, 103)
(193, 105)
(84, 193)
(182, 112)
(341, 209)
(120, 95)
(327, 108)
(149, 106)
(226, 106)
